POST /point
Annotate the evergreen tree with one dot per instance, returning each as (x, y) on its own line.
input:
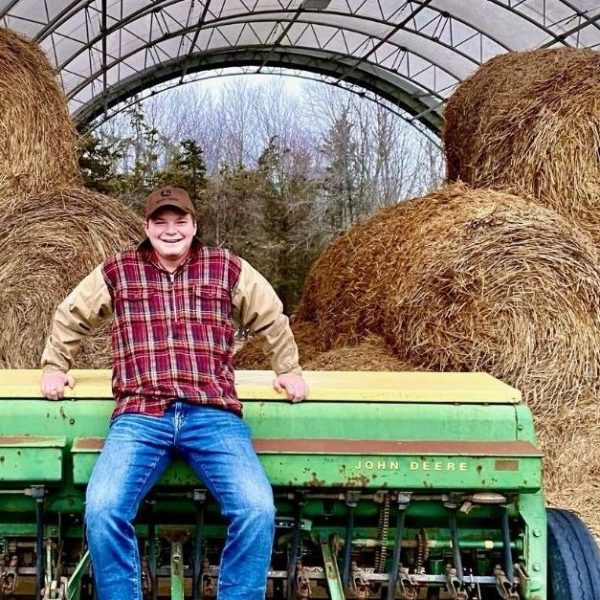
(98, 160)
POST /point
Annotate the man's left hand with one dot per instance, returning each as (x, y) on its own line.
(295, 387)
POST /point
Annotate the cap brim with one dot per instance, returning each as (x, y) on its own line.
(169, 203)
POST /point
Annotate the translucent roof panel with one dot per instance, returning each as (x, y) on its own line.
(410, 54)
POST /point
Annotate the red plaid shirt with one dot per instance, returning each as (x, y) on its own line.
(172, 333)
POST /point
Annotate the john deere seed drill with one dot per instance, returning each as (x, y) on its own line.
(389, 486)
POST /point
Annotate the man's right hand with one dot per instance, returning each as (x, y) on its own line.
(53, 384)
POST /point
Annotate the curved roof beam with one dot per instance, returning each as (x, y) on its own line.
(334, 54)
(379, 35)
(442, 20)
(401, 93)
(296, 74)
(279, 17)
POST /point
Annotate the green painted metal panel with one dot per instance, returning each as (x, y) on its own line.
(31, 465)
(405, 473)
(368, 420)
(507, 471)
(370, 471)
(491, 451)
(31, 459)
(178, 474)
(380, 421)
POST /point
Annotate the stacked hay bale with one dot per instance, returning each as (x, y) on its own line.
(468, 279)
(530, 123)
(505, 276)
(52, 232)
(371, 354)
(48, 243)
(570, 441)
(37, 137)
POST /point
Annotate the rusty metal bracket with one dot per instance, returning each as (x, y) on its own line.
(303, 589)
(57, 590)
(177, 538)
(8, 577)
(352, 499)
(360, 583)
(504, 587)
(406, 586)
(454, 585)
(208, 587)
(147, 586)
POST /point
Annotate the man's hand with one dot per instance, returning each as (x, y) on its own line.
(295, 387)
(53, 384)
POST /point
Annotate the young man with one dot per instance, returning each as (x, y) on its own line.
(175, 306)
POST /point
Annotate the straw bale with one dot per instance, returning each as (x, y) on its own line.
(250, 354)
(470, 280)
(37, 136)
(342, 292)
(48, 243)
(371, 354)
(570, 440)
(529, 122)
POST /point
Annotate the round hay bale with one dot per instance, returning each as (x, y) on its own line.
(48, 243)
(251, 356)
(471, 280)
(529, 122)
(342, 291)
(500, 284)
(37, 136)
(372, 354)
(570, 441)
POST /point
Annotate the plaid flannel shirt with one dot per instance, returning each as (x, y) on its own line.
(172, 334)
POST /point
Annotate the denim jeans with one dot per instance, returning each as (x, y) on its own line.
(217, 444)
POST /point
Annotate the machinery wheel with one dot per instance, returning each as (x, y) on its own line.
(573, 558)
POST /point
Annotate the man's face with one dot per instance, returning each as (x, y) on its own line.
(171, 233)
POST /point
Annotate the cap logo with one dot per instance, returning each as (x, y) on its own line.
(165, 192)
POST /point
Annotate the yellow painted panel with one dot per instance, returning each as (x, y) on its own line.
(348, 386)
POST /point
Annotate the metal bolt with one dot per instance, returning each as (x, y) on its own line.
(537, 566)
(536, 532)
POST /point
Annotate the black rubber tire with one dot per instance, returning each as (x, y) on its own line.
(573, 558)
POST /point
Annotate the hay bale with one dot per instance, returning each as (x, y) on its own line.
(470, 280)
(571, 438)
(371, 354)
(48, 243)
(529, 123)
(250, 355)
(342, 292)
(37, 136)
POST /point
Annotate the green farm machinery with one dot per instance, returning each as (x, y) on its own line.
(389, 486)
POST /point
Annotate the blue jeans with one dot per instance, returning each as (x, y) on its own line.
(137, 450)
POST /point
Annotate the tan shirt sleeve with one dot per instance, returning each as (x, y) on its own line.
(75, 318)
(257, 308)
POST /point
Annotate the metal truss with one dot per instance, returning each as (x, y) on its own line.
(218, 74)
(411, 53)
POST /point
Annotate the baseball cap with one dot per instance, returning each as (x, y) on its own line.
(169, 196)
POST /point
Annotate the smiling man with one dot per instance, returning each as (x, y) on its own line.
(175, 306)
